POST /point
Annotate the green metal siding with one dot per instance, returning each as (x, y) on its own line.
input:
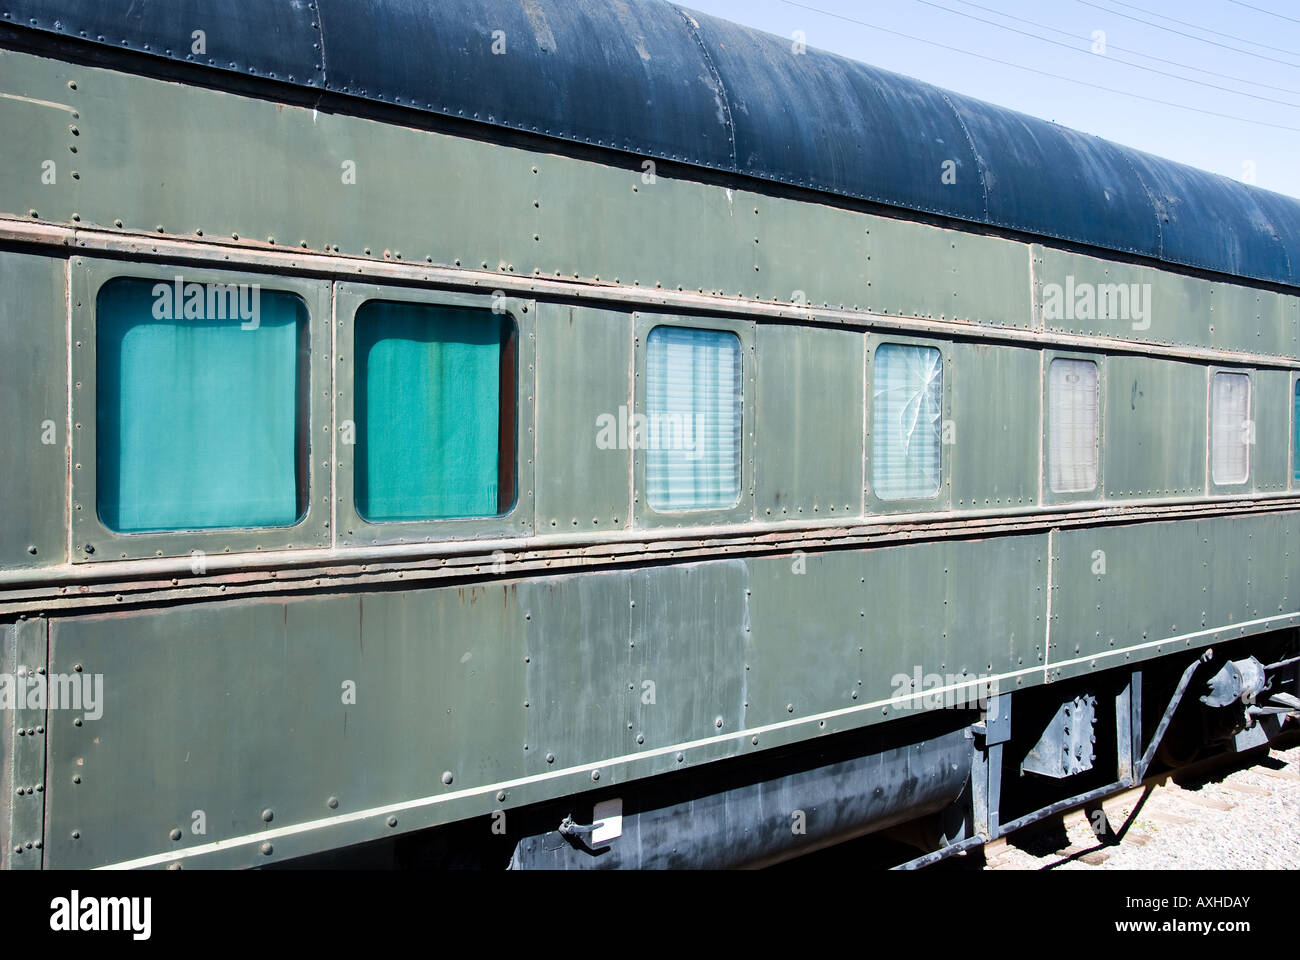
(810, 404)
(1155, 431)
(33, 410)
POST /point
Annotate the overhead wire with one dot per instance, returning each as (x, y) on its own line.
(1251, 6)
(1135, 66)
(1138, 53)
(1189, 36)
(1042, 73)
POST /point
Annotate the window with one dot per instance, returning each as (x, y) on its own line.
(1295, 435)
(907, 422)
(435, 409)
(1230, 428)
(693, 419)
(201, 406)
(1072, 425)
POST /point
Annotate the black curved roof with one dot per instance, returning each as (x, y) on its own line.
(656, 80)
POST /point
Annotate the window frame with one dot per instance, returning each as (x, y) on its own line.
(1293, 423)
(88, 276)
(1212, 487)
(1097, 493)
(743, 509)
(354, 530)
(941, 501)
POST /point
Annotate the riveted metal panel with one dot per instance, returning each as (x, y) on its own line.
(996, 426)
(95, 542)
(634, 661)
(33, 410)
(23, 660)
(203, 163)
(633, 226)
(655, 80)
(584, 405)
(511, 210)
(810, 402)
(626, 75)
(1211, 221)
(1149, 305)
(242, 708)
(41, 116)
(1253, 320)
(917, 270)
(1042, 177)
(1126, 594)
(940, 609)
(1155, 428)
(518, 519)
(279, 40)
(821, 263)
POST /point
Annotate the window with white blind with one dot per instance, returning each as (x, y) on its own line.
(692, 430)
(907, 422)
(1073, 419)
(1230, 428)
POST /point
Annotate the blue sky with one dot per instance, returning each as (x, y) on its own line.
(1203, 45)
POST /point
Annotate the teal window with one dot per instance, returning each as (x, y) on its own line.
(692, 429)
(907, 422)
(435, 412)
(1295, 430)
(201, 406)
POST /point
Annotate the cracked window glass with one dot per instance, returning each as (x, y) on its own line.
(907, 422)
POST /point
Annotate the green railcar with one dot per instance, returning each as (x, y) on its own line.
(567, 435)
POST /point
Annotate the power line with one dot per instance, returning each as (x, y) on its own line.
(1135, 66)
(1042, 73)
(1136, 53)
(1270, 13)
(1189, 36)
(1197, 26)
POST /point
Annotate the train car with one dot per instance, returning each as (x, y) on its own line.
(551, 434)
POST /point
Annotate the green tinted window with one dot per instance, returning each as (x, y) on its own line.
(1295, 427)
(434, 412)
(200, 406)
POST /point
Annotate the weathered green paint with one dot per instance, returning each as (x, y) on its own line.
(995, 431)
(1121, 593)
(238, 706)
(1155, 428)
(924, 271)
(810, 403)
(23, 647)
(940, 607)
(33, 411)
(584, 359)
(1271, 409)
(151, 153)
